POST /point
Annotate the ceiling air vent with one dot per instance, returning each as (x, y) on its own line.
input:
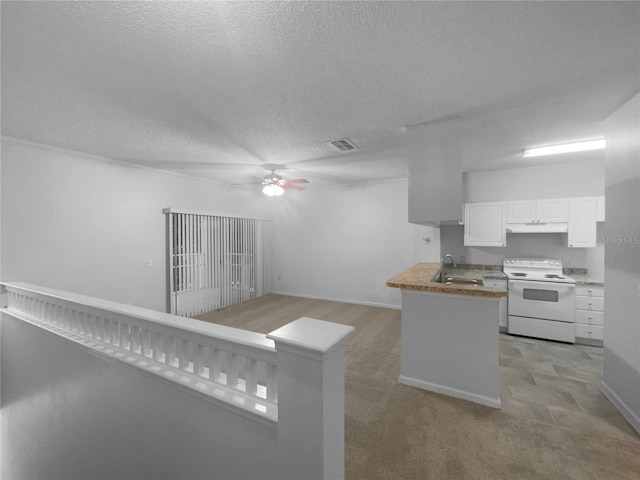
(344, 145)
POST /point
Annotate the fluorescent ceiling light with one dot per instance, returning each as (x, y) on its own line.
(273, 190)
(565, 148)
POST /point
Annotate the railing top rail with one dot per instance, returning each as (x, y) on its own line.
(230, 334)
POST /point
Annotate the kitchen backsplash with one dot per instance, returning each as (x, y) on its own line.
(539, 245)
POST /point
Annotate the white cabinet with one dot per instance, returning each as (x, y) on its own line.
(554, 210)
(538, 211)
(582, 222)
(521, 212)
(589, 314)
(503, 313)
(485, 224)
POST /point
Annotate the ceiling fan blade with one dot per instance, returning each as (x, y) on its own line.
(292, 186)
(298, 180)
(247, 183)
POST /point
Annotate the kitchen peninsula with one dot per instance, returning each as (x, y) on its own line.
(449, 333)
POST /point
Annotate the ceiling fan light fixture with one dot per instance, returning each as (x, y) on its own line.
(598, 144)
(272, 190)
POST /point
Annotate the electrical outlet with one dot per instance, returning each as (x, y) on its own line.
(462, 260)
(569, 263)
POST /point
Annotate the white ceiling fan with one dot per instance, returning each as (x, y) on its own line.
(274, 184)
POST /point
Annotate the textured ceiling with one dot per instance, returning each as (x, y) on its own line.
(216, 89)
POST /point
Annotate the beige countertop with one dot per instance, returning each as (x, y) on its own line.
(586, 280)
(419, 277)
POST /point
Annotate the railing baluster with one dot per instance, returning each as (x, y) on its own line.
(82, 323)
(124, 336)
(156, 344)
(182, 352)
(232, 370)
(215, 361)
(146, 342)
(251, 376)
(135, 339)
(106, 330)
(91, 326)
(192, 353)
(272, 383)
(198, 360)
(170, 350)
(115, 333)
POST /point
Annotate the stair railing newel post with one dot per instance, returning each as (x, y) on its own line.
(310, 359)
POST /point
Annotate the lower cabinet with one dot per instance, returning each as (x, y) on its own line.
(589, 314)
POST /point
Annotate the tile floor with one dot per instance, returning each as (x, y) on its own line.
(558, 383)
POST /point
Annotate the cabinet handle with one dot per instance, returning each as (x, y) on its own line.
(589, 303)
(589, 331)
(590, 317)
(590, 290)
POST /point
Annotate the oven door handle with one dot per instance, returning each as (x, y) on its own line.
(561, 288)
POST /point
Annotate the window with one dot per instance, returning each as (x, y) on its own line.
(215, 261)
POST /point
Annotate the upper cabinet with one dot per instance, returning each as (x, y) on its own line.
(582, 222)
(538, 211)
(485, 224)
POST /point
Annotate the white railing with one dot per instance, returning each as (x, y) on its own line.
(290, 381)
(235, 366)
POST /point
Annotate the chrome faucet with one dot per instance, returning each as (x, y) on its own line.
(444, 257)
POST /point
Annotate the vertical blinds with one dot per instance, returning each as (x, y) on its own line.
(215, 261)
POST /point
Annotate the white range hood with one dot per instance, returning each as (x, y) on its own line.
(537, 228)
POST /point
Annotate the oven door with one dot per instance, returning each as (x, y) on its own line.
(545, 300)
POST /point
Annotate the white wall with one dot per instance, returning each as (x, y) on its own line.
(572, 179)
(343, 243)
(547, 245)
(621, 371)
(76, 223)
(103, 419)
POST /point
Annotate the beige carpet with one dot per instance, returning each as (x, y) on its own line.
(398, 432)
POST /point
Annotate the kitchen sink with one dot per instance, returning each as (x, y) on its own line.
(462, 281)
(450, 280)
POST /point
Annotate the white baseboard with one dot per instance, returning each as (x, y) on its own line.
(452, 392)
(332, 299)
(624, 409)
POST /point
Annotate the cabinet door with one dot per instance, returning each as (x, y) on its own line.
(582, 222)
(523, 211)
(552, 210)
(485, 224)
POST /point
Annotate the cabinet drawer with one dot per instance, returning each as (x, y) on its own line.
(586, 291)
(593, 332)
(590, 303)
(589, 317)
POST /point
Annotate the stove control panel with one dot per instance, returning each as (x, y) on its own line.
(532, 263)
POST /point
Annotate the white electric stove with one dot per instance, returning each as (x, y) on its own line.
(541, 300)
